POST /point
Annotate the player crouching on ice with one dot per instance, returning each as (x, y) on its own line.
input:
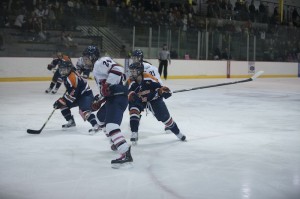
(146, 92)
(78, 93)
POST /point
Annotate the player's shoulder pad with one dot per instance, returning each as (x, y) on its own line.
(73, 79)
(148, 76)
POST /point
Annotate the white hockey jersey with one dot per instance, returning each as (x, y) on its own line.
(105, 68)
(148, 68)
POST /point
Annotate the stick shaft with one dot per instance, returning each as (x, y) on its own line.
(222, 84)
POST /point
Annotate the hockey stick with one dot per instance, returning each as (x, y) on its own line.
(223, 84)
(30, 131)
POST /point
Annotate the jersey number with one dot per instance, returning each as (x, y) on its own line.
(152, 73)
(107, 62)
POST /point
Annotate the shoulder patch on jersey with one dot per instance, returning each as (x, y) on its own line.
(73, 79)
(150, 77)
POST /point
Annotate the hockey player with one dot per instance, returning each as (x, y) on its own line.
(78, 93)
(146, 92)
(138, 56)
(84, 66)
(56, 79)
(109, 78)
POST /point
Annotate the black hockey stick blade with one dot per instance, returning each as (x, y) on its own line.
(256, 75)
(30, 131)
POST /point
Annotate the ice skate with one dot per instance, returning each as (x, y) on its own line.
(54, 91)
(167, 130)
(125, 161)
(181, 136)
(95, 129)
(70, 123)
(48, 90)
(134, 138)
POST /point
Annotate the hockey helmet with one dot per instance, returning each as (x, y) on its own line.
(136, 69)
(59, 54)
(92, 52)
(137, 55)
(65, 68)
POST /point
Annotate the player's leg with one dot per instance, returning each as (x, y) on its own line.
(58, 82)
(115, 108)
(135, 109)
(52, 84)
(66, 112)
(162, 114)
(85, 110)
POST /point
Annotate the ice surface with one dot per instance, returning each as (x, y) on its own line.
(243, 143)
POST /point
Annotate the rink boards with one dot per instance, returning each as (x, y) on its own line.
(35, 69)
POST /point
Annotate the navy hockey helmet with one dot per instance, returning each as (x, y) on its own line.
(92, 52)
(137, 55)
(136, 69)
(65, 68)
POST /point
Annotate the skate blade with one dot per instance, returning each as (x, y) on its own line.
(168, 131)
(134, 143)
(93, 132)
(126, 165)
(67, 128)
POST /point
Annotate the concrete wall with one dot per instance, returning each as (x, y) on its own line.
(35, 69)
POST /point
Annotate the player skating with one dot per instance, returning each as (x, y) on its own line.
(109, 78)
(78, 93)
(145, 92)
(84, 65)
(56, 79)
(138, 56)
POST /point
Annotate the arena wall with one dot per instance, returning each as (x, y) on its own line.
(35, 69)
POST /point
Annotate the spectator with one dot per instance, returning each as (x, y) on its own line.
(295, 17)
(20, 21)
(186, 56)
(51, 17)
(67, 40)
(226, 54)
(217, 54)
(252, 11)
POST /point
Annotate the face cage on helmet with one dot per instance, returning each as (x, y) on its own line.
(64, 71)
(87, 63)
(136, 59)
(59, 55)
(134, 73)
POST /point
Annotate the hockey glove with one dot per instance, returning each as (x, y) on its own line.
(132, 96)
(50, 66)
(97, 103)
(164, 92)
(59, 103)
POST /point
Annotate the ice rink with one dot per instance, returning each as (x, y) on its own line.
(243, 142)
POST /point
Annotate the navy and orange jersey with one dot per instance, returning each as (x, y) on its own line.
(57, 60)
(76, 87)
(147, 89)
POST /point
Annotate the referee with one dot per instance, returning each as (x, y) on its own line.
(163, 58)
